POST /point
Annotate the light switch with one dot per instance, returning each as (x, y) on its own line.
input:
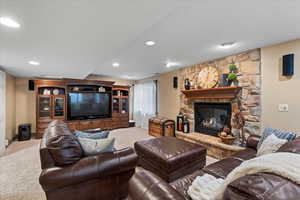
(283, 107)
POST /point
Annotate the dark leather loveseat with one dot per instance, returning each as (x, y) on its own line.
(144, 185)
(68, 175)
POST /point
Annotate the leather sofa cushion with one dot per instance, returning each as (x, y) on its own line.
(246, 154)
(145, 185)
(262, 186)
(169, 153)
(222, 168)
(65, 150)
(292, 146)
(182, 184)
(252, 141)
(63, 145)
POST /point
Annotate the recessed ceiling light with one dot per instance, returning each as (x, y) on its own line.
(32, 62)
(227, 45)
(172, 64)
(6, 21)
(150, 43)
(115, 64)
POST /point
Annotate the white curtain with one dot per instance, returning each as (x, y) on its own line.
(144, 103)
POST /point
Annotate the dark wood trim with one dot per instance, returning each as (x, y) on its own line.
(213, 93)
(65, 82)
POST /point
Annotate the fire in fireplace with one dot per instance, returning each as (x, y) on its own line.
(210, 118)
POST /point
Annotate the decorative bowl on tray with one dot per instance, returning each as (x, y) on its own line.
(226, 138)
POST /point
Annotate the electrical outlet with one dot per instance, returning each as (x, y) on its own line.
(283, 107)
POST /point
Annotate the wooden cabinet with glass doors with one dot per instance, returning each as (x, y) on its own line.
(51, 98)
(121, 106)
(51, 105)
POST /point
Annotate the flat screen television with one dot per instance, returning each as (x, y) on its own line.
(89, 105)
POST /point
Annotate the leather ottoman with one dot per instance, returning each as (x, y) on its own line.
(170, 158)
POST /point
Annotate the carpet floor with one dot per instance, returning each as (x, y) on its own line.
(20, 165)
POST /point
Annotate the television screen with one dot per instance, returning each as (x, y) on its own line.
(89, 105)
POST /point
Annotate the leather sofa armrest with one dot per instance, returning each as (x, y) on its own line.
(93, 130)
(92, 167)
(252, 141)
(147, 186)
(262, 186)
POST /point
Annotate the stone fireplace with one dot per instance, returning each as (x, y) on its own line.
(209, 109)
(248, 98)
(210, 118)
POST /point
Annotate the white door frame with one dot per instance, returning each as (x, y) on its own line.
(2, 109)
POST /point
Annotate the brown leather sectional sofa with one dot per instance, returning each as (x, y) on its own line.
(68, 175)
(144, 185)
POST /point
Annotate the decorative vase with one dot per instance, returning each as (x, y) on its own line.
(224, 80)
(186, 125)
(234, 83)
(180, 122)
(187, 84)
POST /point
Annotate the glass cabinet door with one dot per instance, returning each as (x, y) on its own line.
(124, 105)
(45, 107)
(59, 107)
(116, 105)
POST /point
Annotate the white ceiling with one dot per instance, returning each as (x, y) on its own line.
(74, 38)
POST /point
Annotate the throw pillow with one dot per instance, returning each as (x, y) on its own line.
(289, 136)
(270, 145)
(64, 149)
(93, 147)
(96, 135)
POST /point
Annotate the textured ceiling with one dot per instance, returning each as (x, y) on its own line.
(74, 38)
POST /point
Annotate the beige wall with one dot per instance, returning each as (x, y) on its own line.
(277, 89)
(168, 97)
(10, 119)
(25, 104)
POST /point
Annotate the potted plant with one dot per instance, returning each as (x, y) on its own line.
(233, 68)
(232, 79)
(232, 76)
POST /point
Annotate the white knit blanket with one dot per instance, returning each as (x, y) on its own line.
(284, 164)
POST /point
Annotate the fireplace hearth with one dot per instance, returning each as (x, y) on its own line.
(210, 118)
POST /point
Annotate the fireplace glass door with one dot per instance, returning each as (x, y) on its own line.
(210, 118)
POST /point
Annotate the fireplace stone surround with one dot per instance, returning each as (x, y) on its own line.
(247, 101)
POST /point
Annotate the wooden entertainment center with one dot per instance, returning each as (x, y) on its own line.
(52, 103)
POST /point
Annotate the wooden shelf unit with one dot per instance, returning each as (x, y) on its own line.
(55, 106)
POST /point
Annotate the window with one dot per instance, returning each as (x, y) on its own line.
(144, 103)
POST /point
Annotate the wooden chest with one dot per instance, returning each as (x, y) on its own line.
(161, 126)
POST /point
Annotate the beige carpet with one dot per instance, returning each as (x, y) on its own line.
(20, 165)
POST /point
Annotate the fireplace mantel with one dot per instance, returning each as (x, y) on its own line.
(213, 93)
